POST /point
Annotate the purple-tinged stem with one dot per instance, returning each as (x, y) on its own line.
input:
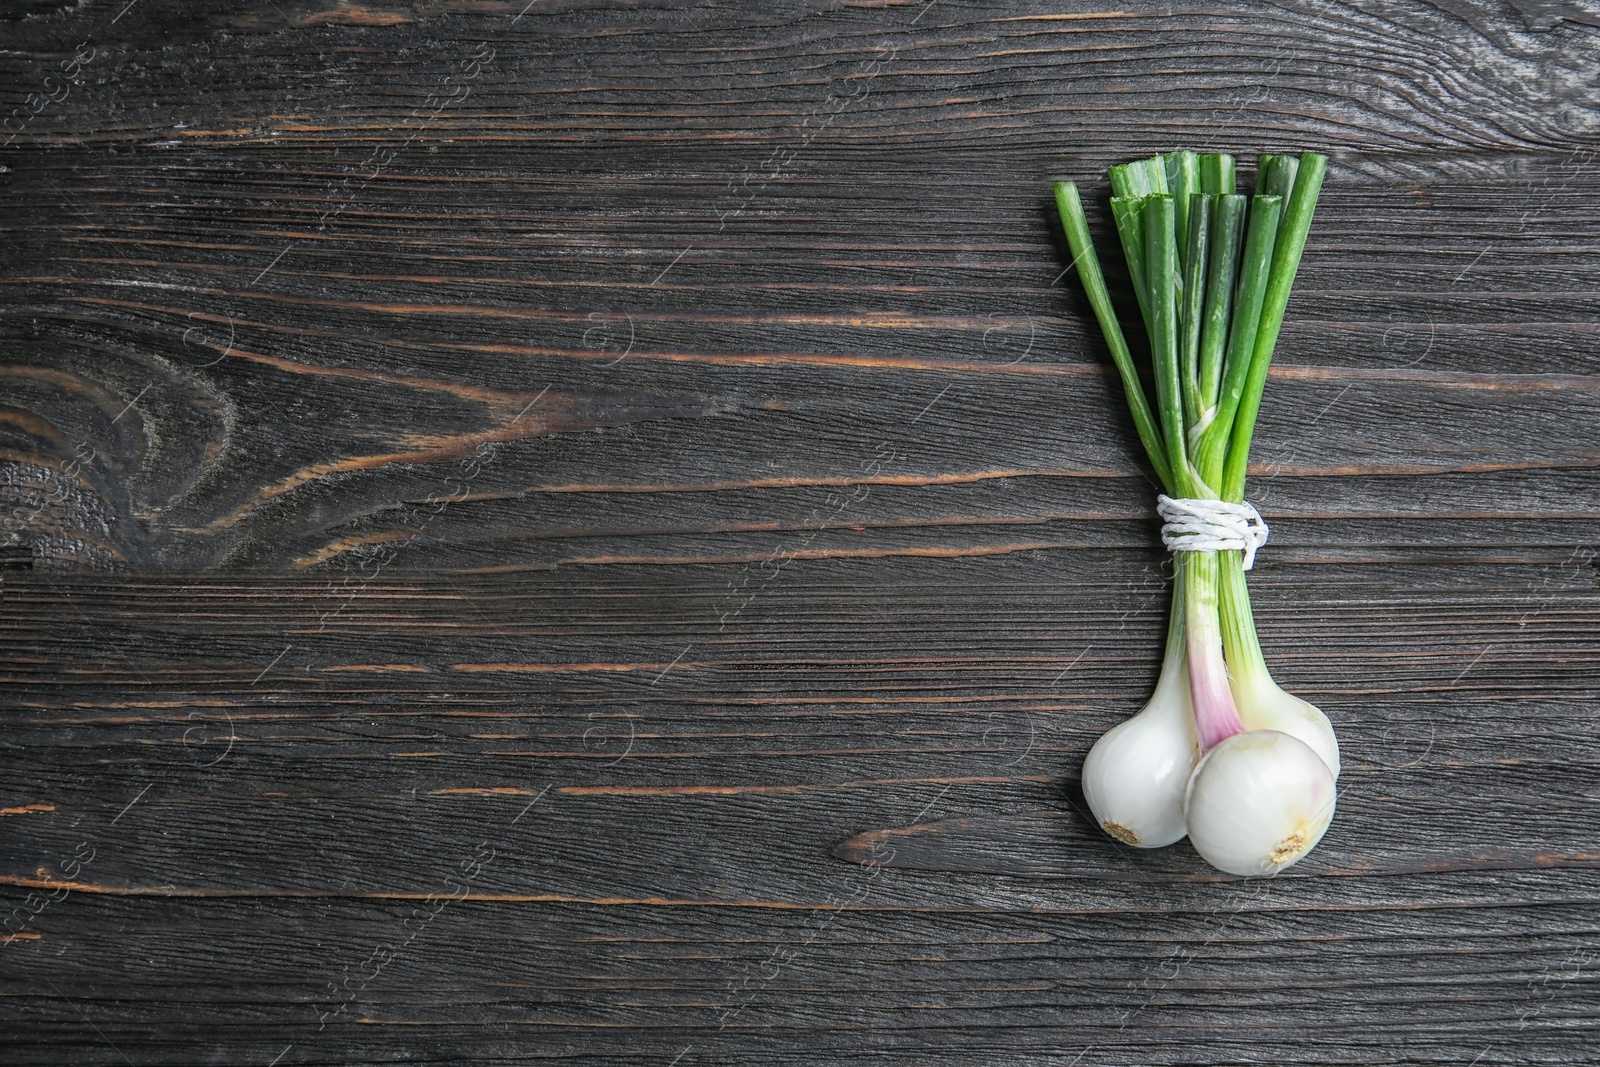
(1216, 718)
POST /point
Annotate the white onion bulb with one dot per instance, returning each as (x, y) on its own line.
(1134, 776)
(1264, 706)
(1258, 802)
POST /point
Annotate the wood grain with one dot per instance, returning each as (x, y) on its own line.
(305, 788)
(602, 532)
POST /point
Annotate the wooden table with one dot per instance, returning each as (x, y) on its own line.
(602, 532)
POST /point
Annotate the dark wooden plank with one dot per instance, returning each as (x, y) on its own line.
(239, 346)
(325, 407)
(1406, 77)
(671, 885)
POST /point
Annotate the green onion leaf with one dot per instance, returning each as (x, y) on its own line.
(1193, 301)
(1126, 211)
(1161, 275)
(1254, 273)
(1139, 179)
(1227, 236)
(1076, 228)
(1291, 244)
(1183, 181)
(1217, 174)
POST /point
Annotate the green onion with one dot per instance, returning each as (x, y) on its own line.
(1193, 296)
(1139, 179)
(1076, 227)
(1183, 181)
(1217, 174)
(1226, 237)
(1275, 176)
(1125, 211)
(1161, 291)
(1291, 243)
(1220, 752)
(1250, 296)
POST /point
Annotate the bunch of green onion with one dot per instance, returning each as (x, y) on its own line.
(1220, 752)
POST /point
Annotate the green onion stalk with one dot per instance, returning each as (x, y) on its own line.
(1220, 753)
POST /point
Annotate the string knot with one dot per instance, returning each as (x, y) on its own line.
(1211, 526)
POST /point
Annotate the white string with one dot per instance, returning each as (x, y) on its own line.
(1211, 526)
